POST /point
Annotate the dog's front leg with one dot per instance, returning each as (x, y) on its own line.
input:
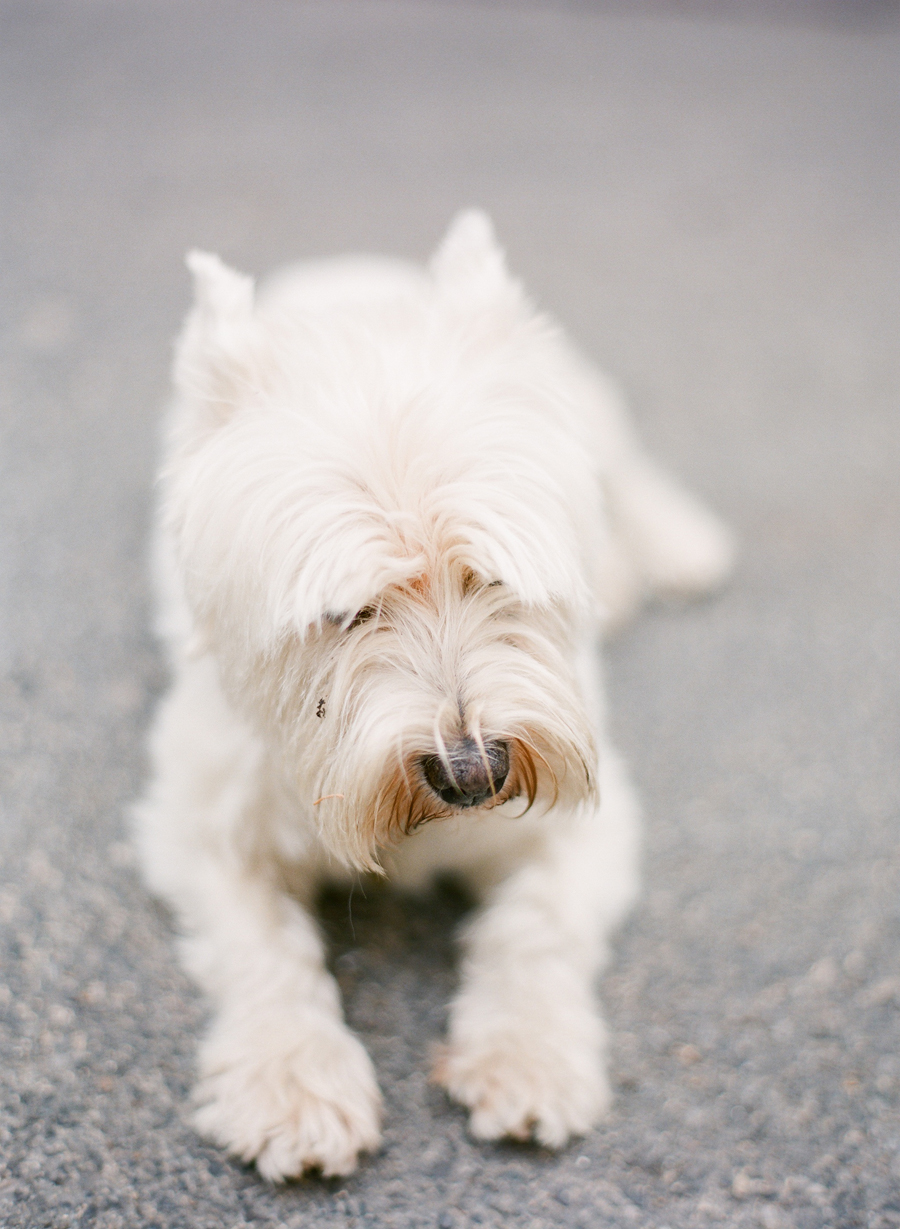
(283, 1081)
(526, 1044)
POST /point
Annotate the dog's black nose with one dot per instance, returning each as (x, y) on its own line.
(469, 775)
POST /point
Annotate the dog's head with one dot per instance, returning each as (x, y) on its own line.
(384, 518)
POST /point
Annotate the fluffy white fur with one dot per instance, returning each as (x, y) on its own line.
(397, 510)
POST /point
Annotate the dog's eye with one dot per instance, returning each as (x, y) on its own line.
(362, 616)
(343, 620)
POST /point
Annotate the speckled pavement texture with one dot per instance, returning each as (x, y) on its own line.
(711, 204)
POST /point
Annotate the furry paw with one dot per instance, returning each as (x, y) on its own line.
(289, 1103)
(525, 1087)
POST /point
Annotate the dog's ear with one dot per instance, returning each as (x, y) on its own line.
(218, 290)
(216, 353)
(469, 266)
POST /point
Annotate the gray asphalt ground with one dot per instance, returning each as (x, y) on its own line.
(710, 201)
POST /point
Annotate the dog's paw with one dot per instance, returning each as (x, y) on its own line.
(308, 1103)
(525, 1088)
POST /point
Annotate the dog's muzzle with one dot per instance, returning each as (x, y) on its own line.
(470, 775)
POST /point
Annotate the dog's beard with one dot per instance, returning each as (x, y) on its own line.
(358, 815)
(359, 703)
(369, 788)
(360, 820)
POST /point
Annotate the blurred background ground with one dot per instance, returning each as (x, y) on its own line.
(708, 195)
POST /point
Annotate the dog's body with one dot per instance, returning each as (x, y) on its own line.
(397, 509)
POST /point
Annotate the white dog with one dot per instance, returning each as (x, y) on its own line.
(397, 507)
